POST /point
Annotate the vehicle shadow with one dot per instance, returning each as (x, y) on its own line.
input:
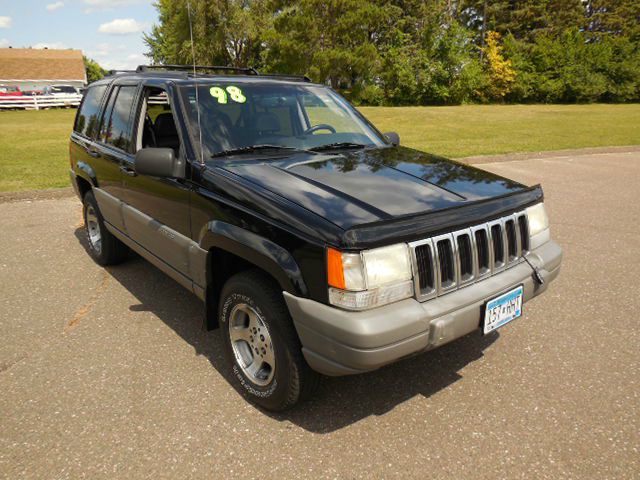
(340, 401)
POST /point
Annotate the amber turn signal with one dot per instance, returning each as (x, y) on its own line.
(335, 272)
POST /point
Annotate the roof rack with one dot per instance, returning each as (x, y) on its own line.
(224, 68)
(187, 68)
(285, 76)
(117, 71)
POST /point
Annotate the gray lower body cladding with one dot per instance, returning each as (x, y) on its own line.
(338, 342)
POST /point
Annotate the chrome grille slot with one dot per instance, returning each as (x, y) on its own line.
(424, 261)
(498, 245)
(484, 251)
(523, 227)
(448, 262)
(466, 256)
(512, 240)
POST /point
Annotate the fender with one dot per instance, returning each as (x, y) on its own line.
(255, 249)
(85, 171)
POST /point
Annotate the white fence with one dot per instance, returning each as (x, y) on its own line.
(36, 102)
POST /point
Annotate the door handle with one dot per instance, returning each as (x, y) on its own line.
(128, 171)
(93, 153)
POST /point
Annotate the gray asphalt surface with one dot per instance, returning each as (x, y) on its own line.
(107, 374)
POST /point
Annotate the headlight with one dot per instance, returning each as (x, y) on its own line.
(537, 218)
(371, 278)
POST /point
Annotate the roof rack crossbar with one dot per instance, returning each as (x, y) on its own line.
(285, 76)
(187, 68)
(116, 71)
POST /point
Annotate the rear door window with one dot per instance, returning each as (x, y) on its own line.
(88, 116)
(117, 125)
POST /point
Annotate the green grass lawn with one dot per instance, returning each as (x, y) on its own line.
(34, 149)
(34, 144)
(492, 129)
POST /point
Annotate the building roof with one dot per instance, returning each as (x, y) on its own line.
(41, 64)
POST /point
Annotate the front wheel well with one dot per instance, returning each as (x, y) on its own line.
(221, 266)
(83, 186)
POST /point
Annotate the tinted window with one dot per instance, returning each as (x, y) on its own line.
(118, 131)
(231, 116)
(63, 89)
(106, 114)
(158, 128)
(87, 119)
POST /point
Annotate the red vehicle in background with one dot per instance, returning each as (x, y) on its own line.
(9, 91)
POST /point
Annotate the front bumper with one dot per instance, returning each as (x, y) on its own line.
(338, 342)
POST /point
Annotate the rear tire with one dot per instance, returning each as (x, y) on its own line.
(261, 343)
(104, 248)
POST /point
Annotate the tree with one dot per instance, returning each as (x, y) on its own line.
(524, 19)
(501, 72)
(224, 32)
(338, 42)
(94, 71)
(417, 52)
(613, 18)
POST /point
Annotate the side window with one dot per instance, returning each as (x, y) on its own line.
(106, 115)
(87, 119)
(157, 126)
(117, 124)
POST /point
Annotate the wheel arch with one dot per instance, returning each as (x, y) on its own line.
(85, 178)
(232, 249)
(85, 172)
(83, 186)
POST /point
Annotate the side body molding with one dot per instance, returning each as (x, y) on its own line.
(110, 207)
(257, 250)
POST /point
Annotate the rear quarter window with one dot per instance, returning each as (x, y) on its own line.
(88, 118)
(117, 125)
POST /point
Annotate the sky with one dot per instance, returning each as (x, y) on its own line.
(109, 31)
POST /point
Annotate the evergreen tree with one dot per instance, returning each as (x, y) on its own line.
(419, 51)
(613, 18)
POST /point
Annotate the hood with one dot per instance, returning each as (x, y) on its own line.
(369, 186)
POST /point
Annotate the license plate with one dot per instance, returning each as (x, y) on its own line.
(501, 310)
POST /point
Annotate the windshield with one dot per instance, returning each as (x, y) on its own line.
(236, 115)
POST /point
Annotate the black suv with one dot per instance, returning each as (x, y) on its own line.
(318, 244)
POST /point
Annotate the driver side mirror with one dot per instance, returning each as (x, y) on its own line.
(159, 162)
(393, 138)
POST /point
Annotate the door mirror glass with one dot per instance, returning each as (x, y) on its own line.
(393, 138)
(157, 162)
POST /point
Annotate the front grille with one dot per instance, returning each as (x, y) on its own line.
(484, 255)
(512, 241)
(425, 268)
(497, 241)
(523, 225)
(465, 254)
(448, 262)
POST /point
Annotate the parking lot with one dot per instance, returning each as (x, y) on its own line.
(107, 373)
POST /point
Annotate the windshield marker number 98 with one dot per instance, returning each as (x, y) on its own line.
(222, 95)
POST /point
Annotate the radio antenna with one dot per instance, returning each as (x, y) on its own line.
(195, 79)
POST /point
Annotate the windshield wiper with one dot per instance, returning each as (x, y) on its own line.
(337, 146)
(250, 149)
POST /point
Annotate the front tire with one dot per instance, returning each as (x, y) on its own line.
(261, 344)
(104, 248)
